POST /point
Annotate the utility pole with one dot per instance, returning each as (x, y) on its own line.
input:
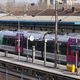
(27, 51)
(56, 31)
(18, 39)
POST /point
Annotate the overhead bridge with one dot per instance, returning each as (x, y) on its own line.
(37, 68)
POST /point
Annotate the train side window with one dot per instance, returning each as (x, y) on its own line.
(5, 41)
(11, 41)
(79, 53)
(8, 41)
(50, 47)
(24, 43)
(69, 50)
(63, 48)
(74, 53)
(39, 45)
(30, 43)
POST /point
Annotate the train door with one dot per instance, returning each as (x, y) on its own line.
(17, 47)
(70, 51)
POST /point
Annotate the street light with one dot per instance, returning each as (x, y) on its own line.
(33, 49)
(45, 43)
(31, 38)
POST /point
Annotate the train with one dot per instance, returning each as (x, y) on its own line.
(19, 41)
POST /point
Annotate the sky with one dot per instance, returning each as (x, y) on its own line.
(31, 1)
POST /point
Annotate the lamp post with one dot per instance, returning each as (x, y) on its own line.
(33, 49)
(45, 41)
(56, 30)
(45, 44)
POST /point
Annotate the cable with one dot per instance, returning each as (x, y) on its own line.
(39, 12)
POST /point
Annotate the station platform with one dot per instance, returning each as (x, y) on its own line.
(39, 65)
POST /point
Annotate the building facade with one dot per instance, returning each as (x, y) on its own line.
(69, 2)
(46, 2)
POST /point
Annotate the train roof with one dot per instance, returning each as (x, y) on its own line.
(40, 18)
(36, 34)
(27, 33)
(6, 32)
(39, 35)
